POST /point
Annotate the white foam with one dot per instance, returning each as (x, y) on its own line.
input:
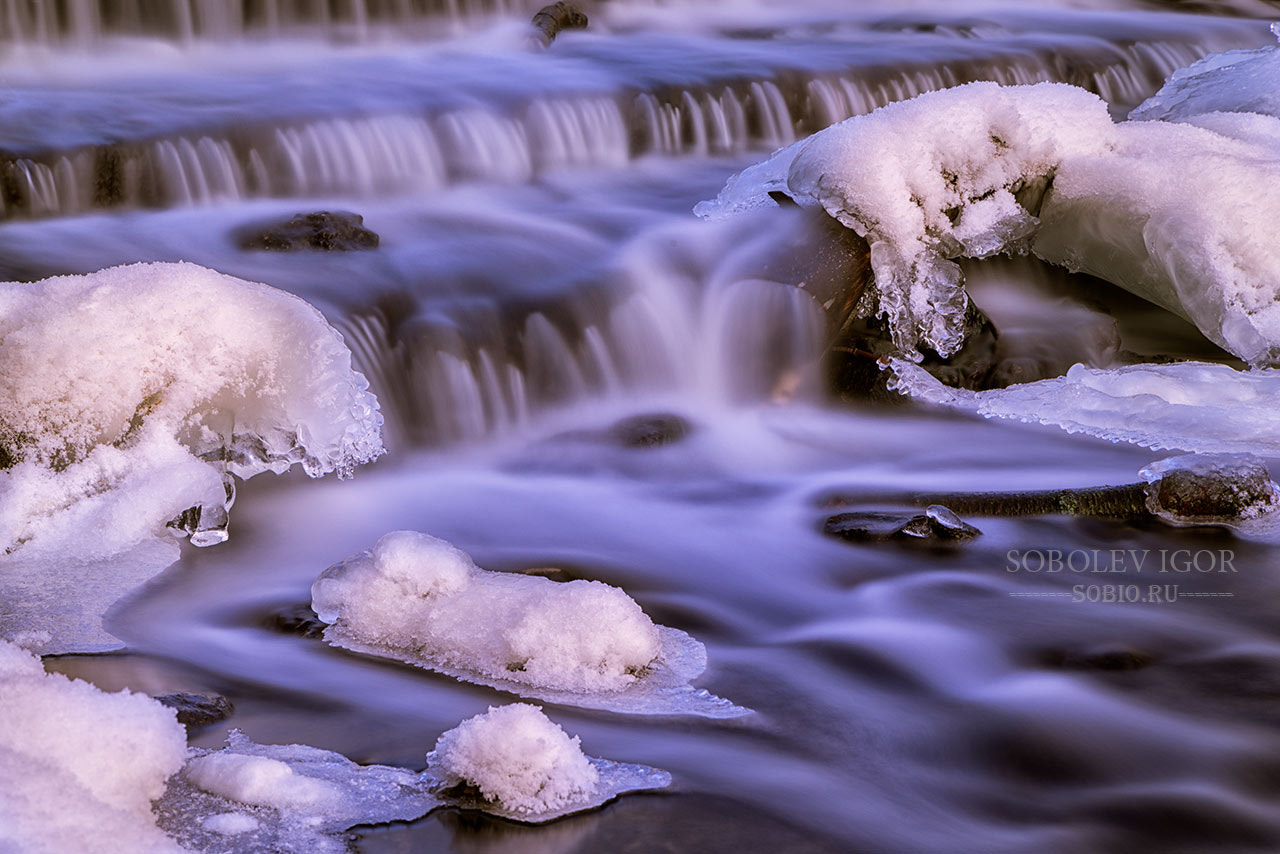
(418, 599)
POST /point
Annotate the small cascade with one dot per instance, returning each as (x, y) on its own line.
(362, 157)
(367, 156)
(1123, 77)
(699, 333)
(76, 23)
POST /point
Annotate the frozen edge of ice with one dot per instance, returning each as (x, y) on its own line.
(915, 382)
(664, 691)
(378, 794)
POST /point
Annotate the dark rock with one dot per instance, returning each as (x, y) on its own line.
(337, 231)
(197, 710)
(551, 19)
(1239, 489)
(650, 431)
(554, 573)
(1110, 658)
(854, 370)
(936, 524)
(296, 620)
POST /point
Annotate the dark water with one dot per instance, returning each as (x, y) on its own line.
(540, 277)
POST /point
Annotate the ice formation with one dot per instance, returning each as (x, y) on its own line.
(1237, 81)
(1177, 213)
(1192, 406)
(289, 798)
(79, 767)
(295, 799)
(418, 599)
(526, 768)
(128, 400)
(516, 757)
(930, 179)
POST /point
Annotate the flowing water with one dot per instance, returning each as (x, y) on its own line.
(540, 277)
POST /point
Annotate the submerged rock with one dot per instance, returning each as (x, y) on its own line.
(297, 619)
(650, 431)
(936, 524)
(1105, 657)
(1208, 489)
(332, 231)
(198, 709)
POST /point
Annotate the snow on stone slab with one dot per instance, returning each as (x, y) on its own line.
(929, 179)
(79, 767)
(418, 599)
(512, 761)
(1180, 213)
(1191, 406)
(129, 399)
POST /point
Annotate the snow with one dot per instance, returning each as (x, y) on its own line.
(516, 757)
(231, 823)
(1192, 406)
(929, 179)
(295, 799)
(260, 781)
(170, 380)
(79, 767)
(419, 599)
(291, 799)
(1177, 213)
(1181, 216)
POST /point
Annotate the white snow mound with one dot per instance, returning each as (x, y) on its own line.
(419, 599)
(516, 757)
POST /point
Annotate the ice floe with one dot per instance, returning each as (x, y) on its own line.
(86, 770)
(418, 599)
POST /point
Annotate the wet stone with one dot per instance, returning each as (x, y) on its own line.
(935, 524)
(551, 19)
(650, 431)
(330, 231)
(197, 710)
(1188, 494)
(296, 619)
(1109, 658)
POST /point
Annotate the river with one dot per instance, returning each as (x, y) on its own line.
(540, 278)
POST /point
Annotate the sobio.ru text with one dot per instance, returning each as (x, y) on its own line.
(1121, 560)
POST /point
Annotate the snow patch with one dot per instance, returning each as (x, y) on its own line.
(79, 767)
(419, 599)
(130, 398)
(517, 758)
